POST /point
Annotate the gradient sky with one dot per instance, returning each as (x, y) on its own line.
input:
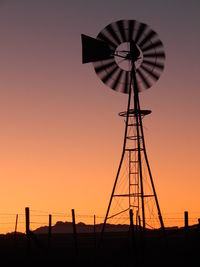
(60, 135)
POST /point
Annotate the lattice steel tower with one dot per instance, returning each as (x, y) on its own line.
(128, 57)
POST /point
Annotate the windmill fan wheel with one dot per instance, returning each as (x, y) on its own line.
(110, 54)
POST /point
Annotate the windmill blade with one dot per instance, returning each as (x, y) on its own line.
(159, 55)
(147, 37)
(140, 32)
(107, 40)
(117, 80)
(144, 80)
(105, 66)
(121, 29)
(155, 45)
(125, 88)
(154, 65)
(113, 34)
(131, 28)
(109, 75)
(138, 85)
(152, 74)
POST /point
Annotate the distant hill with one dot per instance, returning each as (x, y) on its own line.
(66, 227)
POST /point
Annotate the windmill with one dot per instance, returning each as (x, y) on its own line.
(128, 56)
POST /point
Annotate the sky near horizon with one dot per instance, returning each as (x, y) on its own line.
(60, 135)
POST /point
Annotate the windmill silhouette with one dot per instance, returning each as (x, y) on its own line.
(129, 57)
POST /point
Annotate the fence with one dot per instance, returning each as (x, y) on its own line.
(11, 222)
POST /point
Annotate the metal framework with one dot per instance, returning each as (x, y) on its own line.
(134, 145)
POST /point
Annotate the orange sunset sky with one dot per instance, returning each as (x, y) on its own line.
(60, 135)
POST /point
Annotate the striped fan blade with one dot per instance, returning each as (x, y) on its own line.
(131, 27)
(113, 34)
(138, 85)
(160, 55)
(144, 80)
(104, 66)
(153, 75)
(142, 28)
(107, 40)
(153, 64)
(117, 80)
(157, 44)
(121, 29)
(109, 75)
(147, 38)
(125, 88)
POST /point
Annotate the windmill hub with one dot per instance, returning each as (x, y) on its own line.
(125, 58)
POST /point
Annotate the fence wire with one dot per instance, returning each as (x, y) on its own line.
(39, 218)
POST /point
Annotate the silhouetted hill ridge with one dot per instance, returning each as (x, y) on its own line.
(66, 227)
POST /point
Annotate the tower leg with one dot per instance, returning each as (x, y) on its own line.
(122, 157)
(149, 170)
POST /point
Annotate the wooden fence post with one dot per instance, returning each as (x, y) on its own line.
(186, 220)
(15, 234)
(94, 224)
(27, 215)
(74, 229)
(136, 223)
(49, 231)
(94, 231)
(16, 223)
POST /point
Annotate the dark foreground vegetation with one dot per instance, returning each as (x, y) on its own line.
(176, 247)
